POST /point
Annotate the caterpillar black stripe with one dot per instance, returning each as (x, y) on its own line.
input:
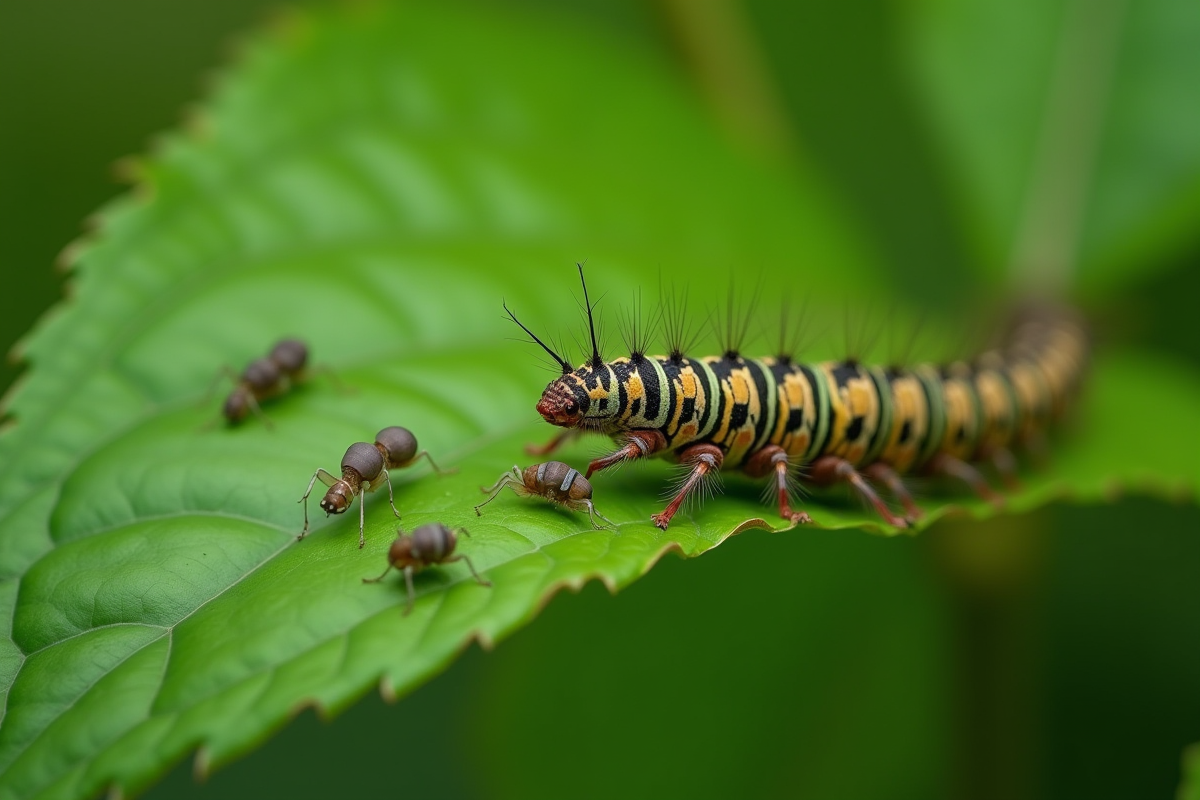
(835, 421)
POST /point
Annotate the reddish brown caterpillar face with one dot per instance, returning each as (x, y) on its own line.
(564, 403)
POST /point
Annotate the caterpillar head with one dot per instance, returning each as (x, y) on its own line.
(585, 398)
(578, 399)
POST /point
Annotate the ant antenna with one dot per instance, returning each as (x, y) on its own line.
(562, 362)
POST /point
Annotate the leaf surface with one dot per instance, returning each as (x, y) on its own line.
(356, 184)
(1067, 127)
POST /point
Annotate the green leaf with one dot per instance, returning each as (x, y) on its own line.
(358, 184)
(1189, 788)
(1069, 128)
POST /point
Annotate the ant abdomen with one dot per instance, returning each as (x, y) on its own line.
(432, 543)
(398, 446)
(557, 481)
(291, 355)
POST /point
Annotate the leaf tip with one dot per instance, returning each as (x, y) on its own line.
(387, 690)
(485, 640)
(202, 764)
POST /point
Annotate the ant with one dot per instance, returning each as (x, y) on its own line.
(428, 544)
(552, 480)
(265, 378)
(364, 468)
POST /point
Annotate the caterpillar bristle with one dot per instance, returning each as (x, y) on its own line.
(903, 356)
(679, 334)
(635, 332)
(732, 327)
(595, 360)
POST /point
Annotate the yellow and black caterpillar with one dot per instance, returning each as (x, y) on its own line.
(830, 422)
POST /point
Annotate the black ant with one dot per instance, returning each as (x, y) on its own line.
(364, 468)
(553, 480)
(265, 378)
(428, 544)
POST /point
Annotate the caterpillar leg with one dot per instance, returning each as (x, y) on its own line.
(774, 458)
(828, 470)
(881, 472)
(638, 444)
(1006, 464)
(950, 466)
(555, 443)
(704, 459)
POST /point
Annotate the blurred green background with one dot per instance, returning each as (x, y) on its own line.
(1053, 655)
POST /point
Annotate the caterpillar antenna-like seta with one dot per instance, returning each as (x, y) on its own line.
(562, 362)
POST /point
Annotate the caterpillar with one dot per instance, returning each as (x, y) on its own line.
(825, 423)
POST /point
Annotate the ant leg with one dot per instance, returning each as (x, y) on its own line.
(432, 463)
(258, 412)
(326, 479)
(324, 369)
(552, 445)
(505, 480)
(828, 470)
(639, 444)
(470, 566)
(224, 372)
(704, 459)
(774, 458)
(377, 580)
(593, 513)
(362, 517)
(412, 593)
(944, 464)
(590, 508)
(391, 497)
(883, 473)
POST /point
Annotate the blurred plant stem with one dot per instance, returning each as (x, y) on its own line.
(1046, 244)
(993, 569)
(727, 64)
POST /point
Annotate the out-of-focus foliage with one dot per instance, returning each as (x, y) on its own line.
(352, 150)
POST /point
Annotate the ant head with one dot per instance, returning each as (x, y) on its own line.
(237, 405)
(400, 554)
(337, 499)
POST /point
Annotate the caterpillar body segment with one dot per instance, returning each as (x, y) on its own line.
(834, 421)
